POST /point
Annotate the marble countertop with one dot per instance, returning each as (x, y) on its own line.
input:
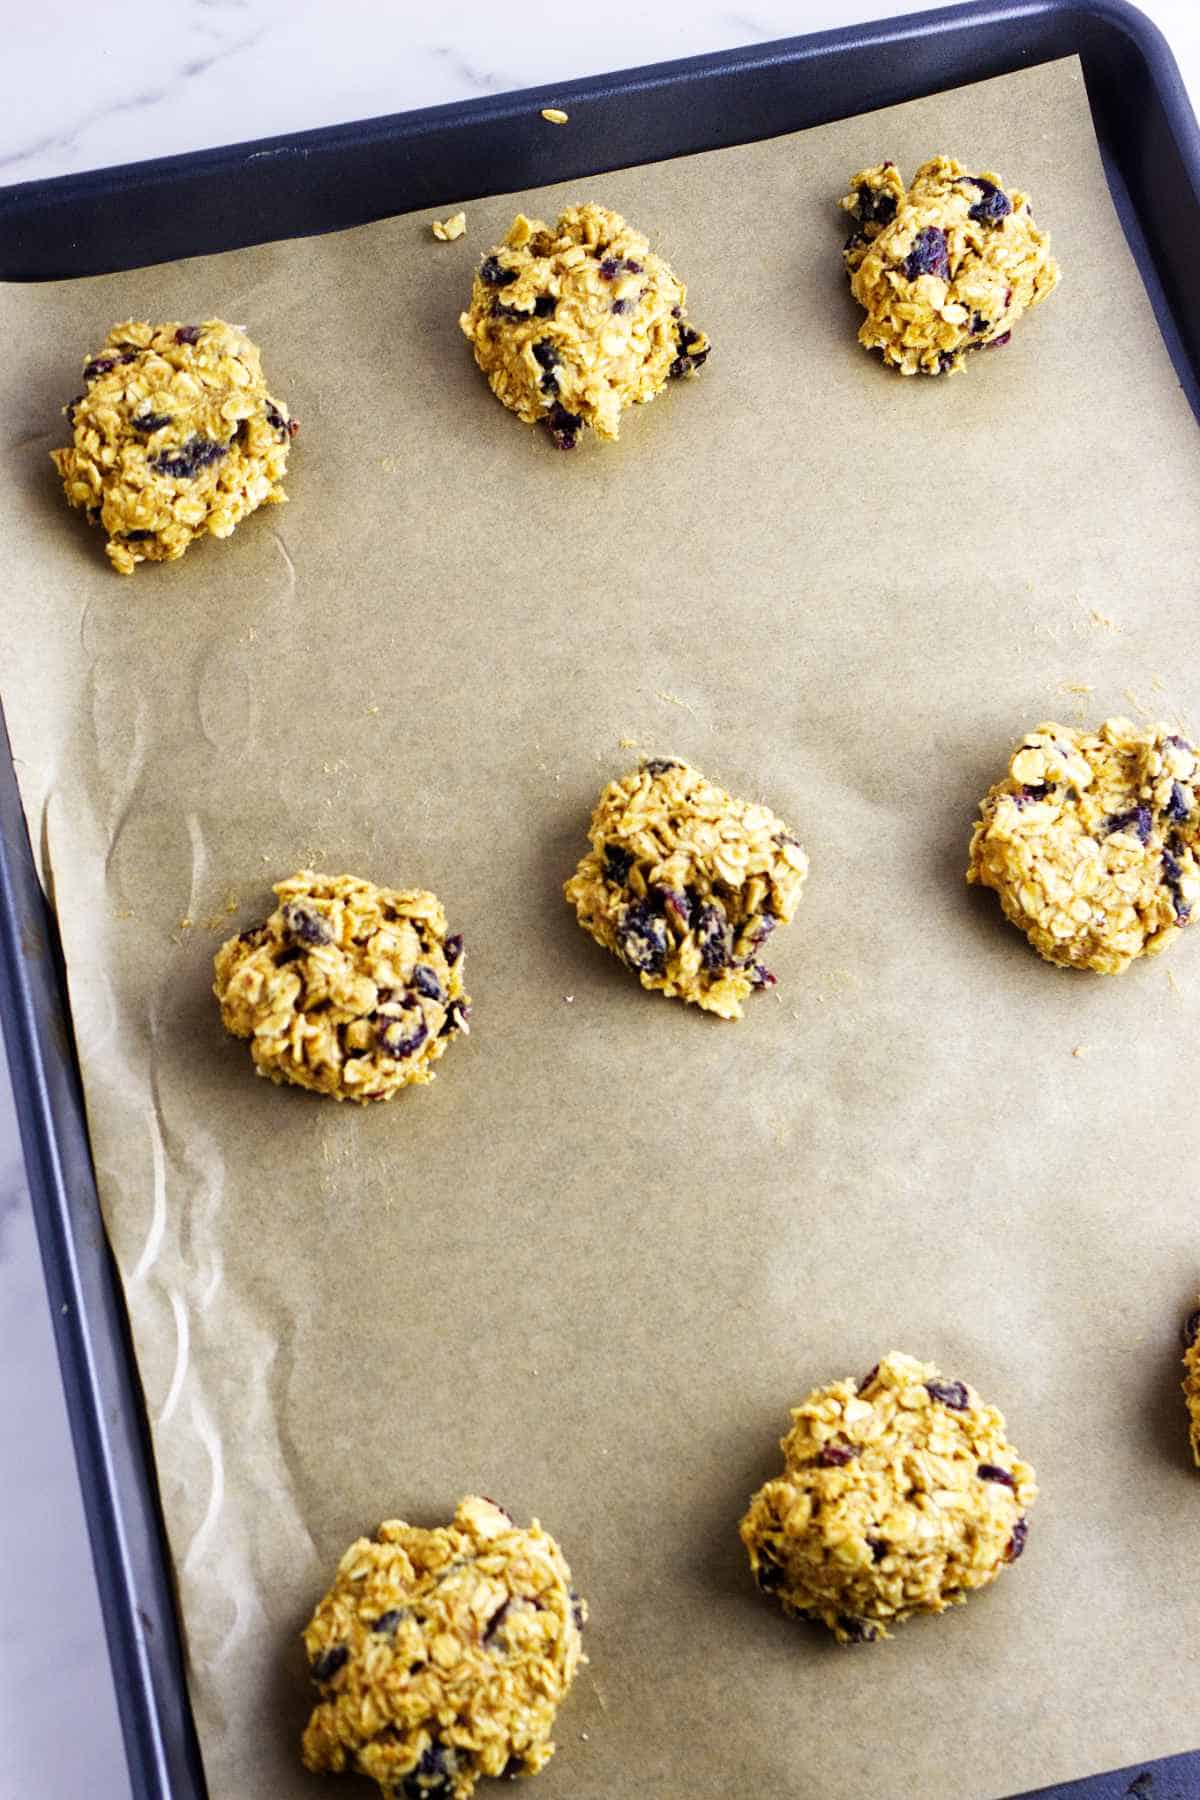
(85, 91)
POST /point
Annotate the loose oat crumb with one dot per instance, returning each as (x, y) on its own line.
(186, 923)
(1104, 621)
(555, 115)
(570, 999)
(371, 711)
(446, 230)
(627, 743)
(1080, 1050)
(842, 980)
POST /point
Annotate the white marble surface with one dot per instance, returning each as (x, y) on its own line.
(84, 89)
(53, 1665)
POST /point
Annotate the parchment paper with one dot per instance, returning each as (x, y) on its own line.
(588, 1271)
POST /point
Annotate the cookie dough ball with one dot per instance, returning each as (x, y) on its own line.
(575, 322)
(899, 1494)
(175, 435)
(441, 1656)
(948, 267)
(348, 989)
(684, 884)
(1191, 1380)
(1090, 842)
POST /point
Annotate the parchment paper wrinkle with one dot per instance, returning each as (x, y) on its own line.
(587, 1271)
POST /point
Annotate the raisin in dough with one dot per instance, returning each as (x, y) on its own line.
(1090, 842)
(441, 1656)
(948, 267)
(684, 884)
(175, 435)
(899, 1495)
(572, 324)
(1191, 1380)
(348, 989)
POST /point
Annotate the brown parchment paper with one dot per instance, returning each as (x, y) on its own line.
(589, 1269)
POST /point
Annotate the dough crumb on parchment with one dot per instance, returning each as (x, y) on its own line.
(447, 230)
(347, 989)
(684, 884)
(900, 1494)
(948, 266)
(442, 1656)
(574, 322)
(174, 437)
(1090, 842)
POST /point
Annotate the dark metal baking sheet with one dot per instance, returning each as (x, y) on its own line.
(347, 175)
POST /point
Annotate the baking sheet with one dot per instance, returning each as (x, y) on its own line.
(589, 1269)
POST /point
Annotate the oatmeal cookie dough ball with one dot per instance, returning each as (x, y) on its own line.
(1191, 1380)
(349, 989)
(441, 1656)
(946, 267)
(684, 884)
(174, 435)
(572, 323)
(899, 1494)
(1090, 842)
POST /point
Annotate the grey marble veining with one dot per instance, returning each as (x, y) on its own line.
(87, 90)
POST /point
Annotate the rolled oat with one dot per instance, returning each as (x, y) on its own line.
(684, 883)
(1191, 1380)
(174, 436)
(347, 989)
(1090, 842)
(443, 1656)
(900, 1494)
(575, 322)
(944, 268)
